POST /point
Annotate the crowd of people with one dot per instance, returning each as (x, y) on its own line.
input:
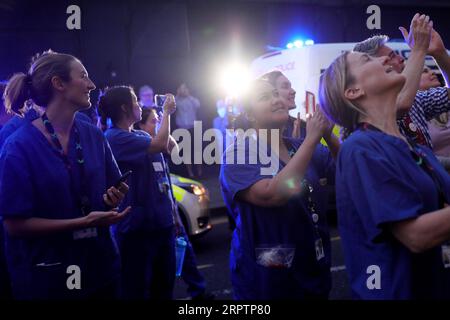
(63, 204)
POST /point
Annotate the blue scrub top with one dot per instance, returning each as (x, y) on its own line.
(149, 193)
(379, 183)
(16, 122)
(34, 182)
(286, 230)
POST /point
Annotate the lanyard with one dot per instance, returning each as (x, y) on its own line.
(308, 189)
(419, 157)
(83, 199)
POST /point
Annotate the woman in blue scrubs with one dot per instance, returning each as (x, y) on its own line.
(146, 237)
(281, 247)
(191, 275)
(54, 172)
(392, 195)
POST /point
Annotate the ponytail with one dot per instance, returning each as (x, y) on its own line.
(17, 92)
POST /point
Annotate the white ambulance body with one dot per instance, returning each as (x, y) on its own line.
(304, 65)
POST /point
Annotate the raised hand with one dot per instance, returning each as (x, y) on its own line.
(419, 34)
(169, 105)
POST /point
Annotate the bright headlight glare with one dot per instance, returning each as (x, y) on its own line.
(198, 191)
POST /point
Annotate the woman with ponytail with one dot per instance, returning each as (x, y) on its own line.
(54, 199)
(146, 238)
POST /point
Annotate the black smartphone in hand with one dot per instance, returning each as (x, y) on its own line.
(123, 178)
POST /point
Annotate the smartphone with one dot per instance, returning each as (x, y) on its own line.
(159, 100)
(310, 102)
(123, 178)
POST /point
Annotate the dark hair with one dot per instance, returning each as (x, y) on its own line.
(272, 76)
(111, 102)
(146, 112)
(36, 84)
(245, 99)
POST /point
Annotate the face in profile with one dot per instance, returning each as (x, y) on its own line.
(428, 80)
(371, 76)
(78, 89)
(287, 93)
(394, 59)
(136, 110)
(266, 106)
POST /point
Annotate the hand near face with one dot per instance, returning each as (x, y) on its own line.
(419, 34)
(169, 105)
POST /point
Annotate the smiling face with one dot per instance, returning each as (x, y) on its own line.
(394, 60)
(266, 106)
(428, 79)
(287, 93)
(77, 90)
(372, 76)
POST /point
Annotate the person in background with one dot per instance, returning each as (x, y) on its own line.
(55, 196)
(146, 238)
(439, 126)
(146, 97)
(190, 274)
(295, 127)
(280, 248)
(187, 107)
(414, 108)
(221, 122)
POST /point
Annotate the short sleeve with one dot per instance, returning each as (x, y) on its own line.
(129, 146)
(235, 177)
(433, 102)
(376, 190)
(16, 190)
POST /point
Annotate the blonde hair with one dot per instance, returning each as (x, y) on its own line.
(333, 83)
(36, 84)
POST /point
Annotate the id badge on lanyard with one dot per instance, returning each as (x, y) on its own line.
(445, 249)
(320, 254)
(85, 233)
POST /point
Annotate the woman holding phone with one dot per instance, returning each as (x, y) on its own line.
(54, 172)
(281, 247)
(146, 236)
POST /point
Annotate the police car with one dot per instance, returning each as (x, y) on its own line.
(193, 205)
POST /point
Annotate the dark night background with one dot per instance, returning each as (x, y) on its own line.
(163, 43)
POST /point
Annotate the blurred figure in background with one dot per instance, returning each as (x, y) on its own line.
(187, 107)
(439, 126)
(146, 97)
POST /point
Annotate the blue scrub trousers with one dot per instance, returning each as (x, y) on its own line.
(190, 274)
(5, 283)
(148, 264)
